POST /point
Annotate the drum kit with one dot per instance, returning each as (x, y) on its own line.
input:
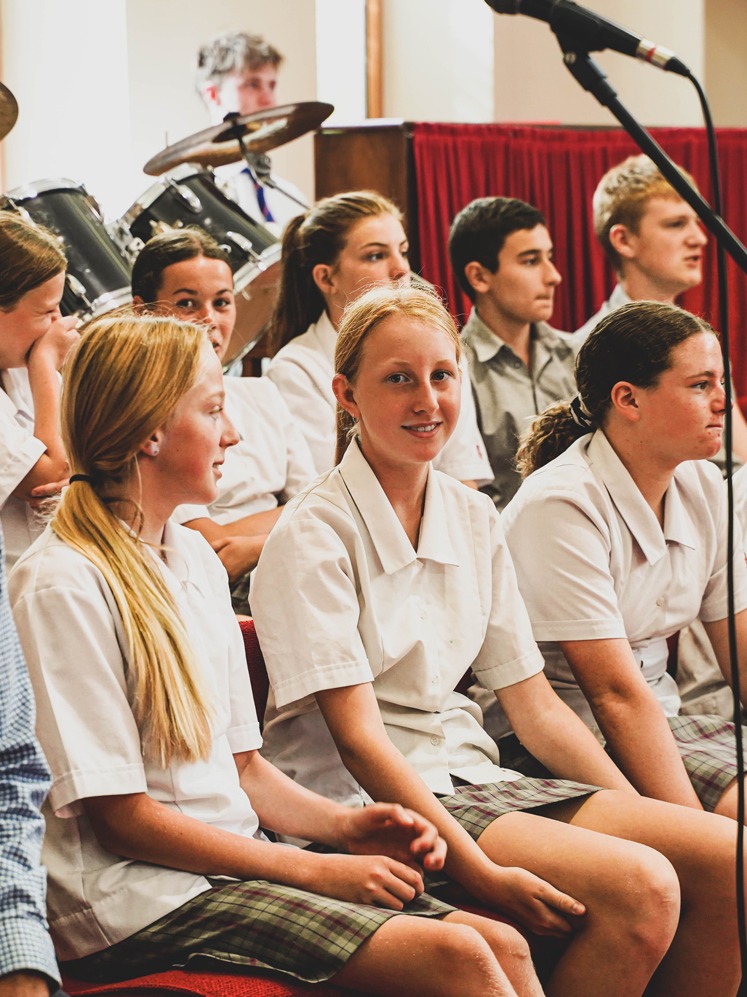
(100, 254)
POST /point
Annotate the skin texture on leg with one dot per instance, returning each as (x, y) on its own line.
(703, 959)
(630, 891)
(423, 957)
(727, 805)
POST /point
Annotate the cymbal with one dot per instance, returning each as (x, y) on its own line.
(260, 132)
(8, 110)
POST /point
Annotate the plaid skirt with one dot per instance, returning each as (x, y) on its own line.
(255, 924)
(706, 746)
(476, 807)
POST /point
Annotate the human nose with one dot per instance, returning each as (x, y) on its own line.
(553, 275)
(696, 235)
(266, 97)
(400, 266)
(229, 436)
(425, 398)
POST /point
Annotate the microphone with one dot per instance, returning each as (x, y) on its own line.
(583, 30)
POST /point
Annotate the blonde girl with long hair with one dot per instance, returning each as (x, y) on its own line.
(154, 848)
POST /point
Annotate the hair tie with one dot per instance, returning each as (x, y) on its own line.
(581, 415)
(82, 477)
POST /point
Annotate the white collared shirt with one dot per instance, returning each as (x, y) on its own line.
(303, 370)
(72, 637)
(360, 605)
(270, 463)
(594, 563)
(19, 452)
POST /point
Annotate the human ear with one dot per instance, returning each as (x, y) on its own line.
(322, 276)
(475, 275)
(621, 240)
(345, 395)
(625, 401)
(151, 446)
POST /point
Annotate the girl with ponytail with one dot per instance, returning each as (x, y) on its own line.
(153, 846)
(619, 537)
(341, 247)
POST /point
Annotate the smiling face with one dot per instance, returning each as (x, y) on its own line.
(29, 320)
(406, 394)
(201, 290)
(190, 446)
(682, 416)
(375, 252)
(665, 256)
(522, 290)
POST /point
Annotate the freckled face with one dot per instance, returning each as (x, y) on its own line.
(682, 417)
(406, 396)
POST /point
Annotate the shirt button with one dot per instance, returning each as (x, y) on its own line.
(435, 741)
(661, 602)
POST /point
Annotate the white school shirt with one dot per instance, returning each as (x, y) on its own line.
(270, 463)
(303, 370)
(72, 637)
(239, 186)
(593, 562)
(19, 452)
(340, 598)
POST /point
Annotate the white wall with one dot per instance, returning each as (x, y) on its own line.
(438, 60)
(532, 84)
(103, 85)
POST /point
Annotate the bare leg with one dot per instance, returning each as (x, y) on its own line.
(727, 805)
(421, 957)
(630, 892)
(703, 959)
(510, 949)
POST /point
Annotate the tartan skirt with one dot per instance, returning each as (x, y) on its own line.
(476, 807)
(255, 924)
(705, 743)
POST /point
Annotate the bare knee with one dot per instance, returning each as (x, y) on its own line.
(481, 967)
(647, 902)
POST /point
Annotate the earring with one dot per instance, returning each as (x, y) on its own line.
(152, 449)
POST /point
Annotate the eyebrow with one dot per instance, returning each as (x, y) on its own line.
(191, 290)
(383, 245)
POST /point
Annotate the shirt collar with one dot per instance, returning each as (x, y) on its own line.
(487, 345)
(327, 335)
(636, 512)
(387, 533)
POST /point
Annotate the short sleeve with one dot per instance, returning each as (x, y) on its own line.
(311, 410)
(562, 557)
(19, 449)
(305, 605)
(509, 653)
(73, 652)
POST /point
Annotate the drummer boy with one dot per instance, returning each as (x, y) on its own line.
(237, 73)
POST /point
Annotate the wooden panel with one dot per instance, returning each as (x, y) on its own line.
(376, 156)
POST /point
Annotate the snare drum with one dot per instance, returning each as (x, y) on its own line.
(98, 277)
(189, 195)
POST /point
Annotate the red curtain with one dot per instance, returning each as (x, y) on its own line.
(557, 169)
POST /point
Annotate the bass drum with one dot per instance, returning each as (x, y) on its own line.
(98, 277)
(189, 195)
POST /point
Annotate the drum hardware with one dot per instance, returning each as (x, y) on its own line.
(8, 111)
(253, 250)
(98, 277)
(229, 141)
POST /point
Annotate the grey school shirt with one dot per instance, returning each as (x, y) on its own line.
(508, 394)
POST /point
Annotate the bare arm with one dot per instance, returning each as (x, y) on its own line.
(138, 827)
(718, 634)
(631, 719)
(44, 361)
(22, 984)
(380, 768)
(556, 736)
(237, 544)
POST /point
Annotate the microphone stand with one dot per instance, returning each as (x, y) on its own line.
(583, 68)
(591, 77)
